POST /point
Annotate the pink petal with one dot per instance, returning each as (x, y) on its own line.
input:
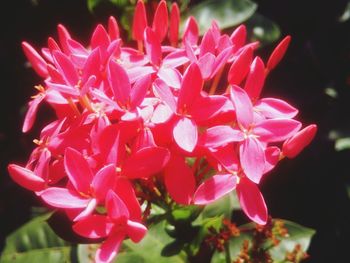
(191, 87)
(119, 81)
(78, 170)
(221, 60)
(224, 42)
(150, 161)
(170, 76)
(94, 226)
(175, 59)
(206, 108)
(179, 180)
(191, 31)
(144, 139)
(26, 178)
(62, 88)
(214, 188)
(160, 20)
(100, 38)
(139, 22)
(227, 157)
(238, 37)
(190, 52)
(31, 113)
(109, 142)
(89, 209)
(88, 85)
(275, 108)
(294, 145)
(42, 166)
(135, 231)
(185, 133)
(52, 45)
(92, 65)
(174, 24)
(240, 67)
(207, 44)
(113, 28)
(76, 48)
(161, 114)
(109, 248)
(63, 198)
(102, 97)
(221, 135)
(206, 65)
(252, 201)
(66, 68)
(278, 53)
(153, 47)
(276, 130)
(255, 79)
(272, 155)
(243, 106)
(63, 36)
(139, 91)
(116, 208)
(162, 90)
(138, 72)
(104, 180)
(37, 62)
(126, 192)
(252, 157)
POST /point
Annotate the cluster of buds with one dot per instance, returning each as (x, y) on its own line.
(160, 114)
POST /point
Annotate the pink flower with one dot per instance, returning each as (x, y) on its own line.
(180, 118)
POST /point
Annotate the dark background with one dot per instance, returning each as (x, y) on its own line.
(310, 190)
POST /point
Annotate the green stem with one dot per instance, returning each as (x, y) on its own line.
(227, 253)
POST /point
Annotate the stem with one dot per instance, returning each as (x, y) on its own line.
(140, 46)
(216, 81)
(227, 253)
(73, 106)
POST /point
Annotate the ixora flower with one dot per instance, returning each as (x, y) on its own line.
(128, 121)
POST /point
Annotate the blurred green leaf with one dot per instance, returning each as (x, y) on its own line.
(346, 14)
(297, 235)
(92, 4)
(227, 13)
(120, 3)
(223, 206)
(173, 248)
(262, 29)
(342, 144)
(186, 213)
(36, 242)
(150, 248)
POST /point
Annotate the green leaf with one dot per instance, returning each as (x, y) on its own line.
(150, 248)
(262, 29)
(185, 213)
(92, 4)
(223, 206)
(297, 234)
(227, 13)
(36, 242)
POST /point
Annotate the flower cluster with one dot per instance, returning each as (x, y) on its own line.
(153, 119)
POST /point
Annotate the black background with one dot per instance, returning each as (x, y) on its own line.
(310, 190)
